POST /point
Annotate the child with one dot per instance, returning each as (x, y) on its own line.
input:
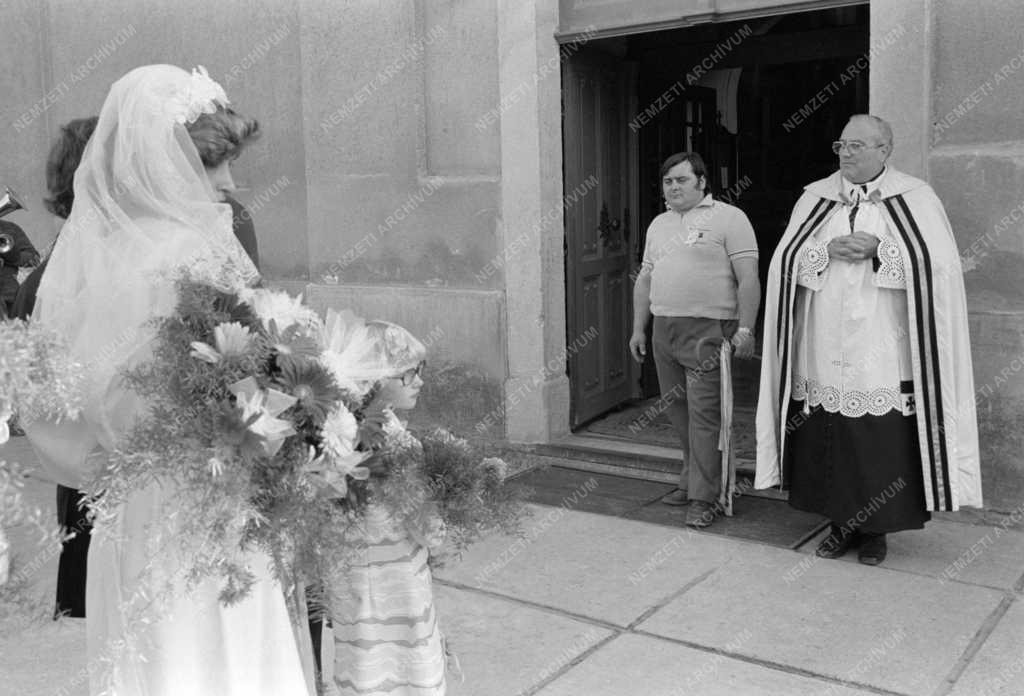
(386, 634)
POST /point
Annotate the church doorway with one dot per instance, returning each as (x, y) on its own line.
(761, 99)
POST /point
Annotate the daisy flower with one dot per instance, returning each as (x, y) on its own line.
(230, 340)
(280, 307)
(339, 433)
(311, 384)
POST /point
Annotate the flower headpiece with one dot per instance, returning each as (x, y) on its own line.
(202, 95)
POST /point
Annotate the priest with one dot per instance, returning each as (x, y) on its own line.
(866, 411)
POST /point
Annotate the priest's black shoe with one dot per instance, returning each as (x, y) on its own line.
(837, 543)
(872, 549)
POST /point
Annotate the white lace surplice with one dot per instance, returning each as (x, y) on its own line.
(851, 342)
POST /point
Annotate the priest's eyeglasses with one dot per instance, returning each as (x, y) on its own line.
(410, 375)
(854, 147)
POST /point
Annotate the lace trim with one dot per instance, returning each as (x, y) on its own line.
(853, 402)
(813, 260)
(891, 273)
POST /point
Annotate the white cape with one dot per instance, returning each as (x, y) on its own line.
(937, 319)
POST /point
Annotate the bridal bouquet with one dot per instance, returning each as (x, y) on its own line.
(258, 416)
(250, 420)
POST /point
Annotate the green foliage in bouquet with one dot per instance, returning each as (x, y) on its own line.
(20, 604)
(37, 380)
(471, 491)
(446, 474)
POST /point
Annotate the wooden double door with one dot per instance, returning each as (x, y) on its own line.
(611, 197)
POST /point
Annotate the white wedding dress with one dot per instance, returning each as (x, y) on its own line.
(197, 646)
(143, 208)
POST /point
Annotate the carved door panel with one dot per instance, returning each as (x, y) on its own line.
(599, 158)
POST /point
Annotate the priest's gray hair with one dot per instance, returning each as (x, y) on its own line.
(881, 125)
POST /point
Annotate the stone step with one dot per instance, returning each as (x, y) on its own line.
(619, 457)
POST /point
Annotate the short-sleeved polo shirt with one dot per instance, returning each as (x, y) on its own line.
(690, 256)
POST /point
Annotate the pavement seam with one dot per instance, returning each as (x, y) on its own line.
(776, 666)
(658, 606)
(1018, 586)
(572, 663)
(533, 605)
(981, 636)
(618, 631)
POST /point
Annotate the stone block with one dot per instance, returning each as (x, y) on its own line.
(637, 664)
(605, 568)
(505, 648)
(979, 85)
(870, 626)
(952, 551)
(998, 667)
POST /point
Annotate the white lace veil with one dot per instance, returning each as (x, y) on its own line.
(143, 209)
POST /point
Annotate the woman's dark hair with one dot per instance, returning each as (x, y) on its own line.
(64, 158)
(695, 160)
(222, 135)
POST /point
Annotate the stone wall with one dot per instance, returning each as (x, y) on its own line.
(376, 181)
(976, 165)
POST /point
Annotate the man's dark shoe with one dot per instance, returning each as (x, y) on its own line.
(872, 549)
(837, 543)
(677, 497)
(700, 514)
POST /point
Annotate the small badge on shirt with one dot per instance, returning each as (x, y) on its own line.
(907, 403)
(696, 234)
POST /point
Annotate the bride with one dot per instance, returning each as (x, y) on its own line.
(144, 207)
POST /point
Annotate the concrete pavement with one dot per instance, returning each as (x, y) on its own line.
(593, 605)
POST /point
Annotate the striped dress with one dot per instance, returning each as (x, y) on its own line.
(386, 636)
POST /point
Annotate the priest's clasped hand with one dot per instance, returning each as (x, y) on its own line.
(858, 246)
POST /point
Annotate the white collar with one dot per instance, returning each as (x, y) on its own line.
(865, 190)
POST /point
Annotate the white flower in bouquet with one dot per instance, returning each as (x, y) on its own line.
(342, 335)
(230, 339)
(447, 437)
(5, 429)
(260, 408)
(339, 460)
(333, 473)
(339, 432)
(280, 307)
(5, 559)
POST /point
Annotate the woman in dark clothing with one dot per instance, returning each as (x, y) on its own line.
(218, 146)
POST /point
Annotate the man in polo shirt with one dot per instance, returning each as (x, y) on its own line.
(699, 279)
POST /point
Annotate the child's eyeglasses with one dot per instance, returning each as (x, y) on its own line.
(410, 375)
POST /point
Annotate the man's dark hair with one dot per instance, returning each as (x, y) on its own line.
(695, 160)
(65, 156)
